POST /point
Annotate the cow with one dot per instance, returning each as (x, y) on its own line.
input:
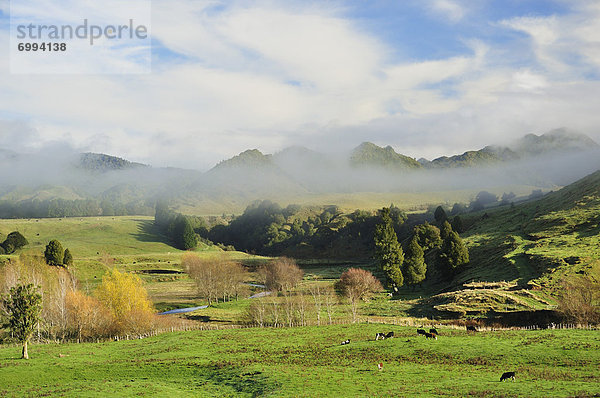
(421, 331)
(389, 335)
(379, 335)
(433, 331)
(507, 375)
(430, 336)
(346, 342)
(380, 365)
(471, 328)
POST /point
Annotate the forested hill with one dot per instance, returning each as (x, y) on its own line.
(102, 162)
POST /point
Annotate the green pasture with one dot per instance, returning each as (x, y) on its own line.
(310, 362)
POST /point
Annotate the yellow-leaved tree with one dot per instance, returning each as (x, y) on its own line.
(127, 301)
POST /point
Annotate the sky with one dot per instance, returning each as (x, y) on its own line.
(428, 77)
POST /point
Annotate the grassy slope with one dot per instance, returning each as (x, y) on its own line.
(131, 243)
(309, 362)
(541, 240)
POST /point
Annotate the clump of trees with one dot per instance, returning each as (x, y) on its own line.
(56, 255)
(269, 229)
(119, 306)
(14, 241)
(357, 284)
(35, 208)
(181, 229)
(217, 278)
(580, 299)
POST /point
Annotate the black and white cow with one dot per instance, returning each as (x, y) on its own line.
(507, 375)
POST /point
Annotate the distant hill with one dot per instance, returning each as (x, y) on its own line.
(556, 140)
(369, 154)
(297, 174)
(485, 156)
(102, 162)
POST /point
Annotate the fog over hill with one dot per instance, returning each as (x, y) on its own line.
(556, 158)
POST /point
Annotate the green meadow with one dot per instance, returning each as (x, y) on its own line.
(310, 362)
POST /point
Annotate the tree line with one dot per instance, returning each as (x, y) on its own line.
(53, 208)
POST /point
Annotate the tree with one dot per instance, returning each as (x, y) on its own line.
(445, 230)
(415, 268)
(388, 252)
(457, 224)
(23, 305)
(357, 284)
(184, 235)
(14, 241)
(67, 258)
(86, 314)
(54, 253)
(127, 301)
(281, 275)
(454, 254)
(428, 236)
(440, 215)
(580, 299)
(216, 277)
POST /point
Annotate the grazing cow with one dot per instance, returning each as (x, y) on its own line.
(379, 336)
(507, 375)
(433, 331)
(471, 328)
(380, 365)
(430, 336)
(346, 342)
(389, 335)
(421, 331)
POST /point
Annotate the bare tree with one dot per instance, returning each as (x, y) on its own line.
(215, 277)
(330, 300)
(317, 295)
(358, 284)
(281, 275)
(580, 300)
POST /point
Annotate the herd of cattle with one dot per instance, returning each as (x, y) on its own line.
(432, 334)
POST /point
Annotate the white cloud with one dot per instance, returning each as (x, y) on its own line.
(266, 76)
(449, 9)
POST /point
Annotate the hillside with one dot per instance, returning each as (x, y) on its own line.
(539, 242)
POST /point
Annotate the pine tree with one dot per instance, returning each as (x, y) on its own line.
(445, 230)
(68, 258)
(24, 305)
(388, 252)
(457, 224)
(454, 254)
(54, 253)
(415, 268)
(183, 232)
(440, 215)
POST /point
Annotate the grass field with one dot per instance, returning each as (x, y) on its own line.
(310, 362)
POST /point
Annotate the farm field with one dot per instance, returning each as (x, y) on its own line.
(310, 362)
